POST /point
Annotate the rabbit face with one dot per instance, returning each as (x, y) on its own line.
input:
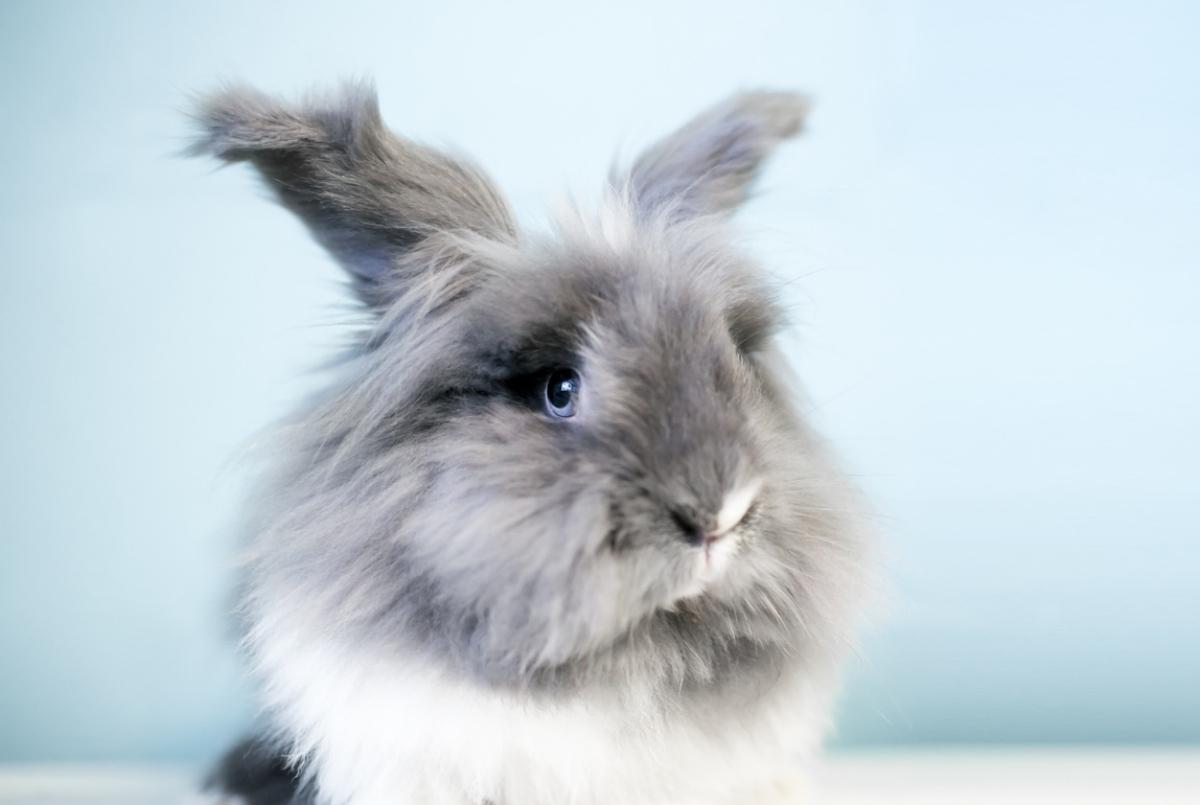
(602, 443)
(554, 457)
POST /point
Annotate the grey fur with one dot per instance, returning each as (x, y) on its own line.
(370, 197)
(425, 505)
(709, 165)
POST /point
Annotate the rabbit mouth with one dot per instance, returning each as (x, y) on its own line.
(717, 556)
(714, 558)
(710, 563)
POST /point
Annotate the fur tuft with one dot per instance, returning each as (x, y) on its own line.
(255, 772)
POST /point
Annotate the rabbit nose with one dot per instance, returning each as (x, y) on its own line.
(689, 523)
(702, 530)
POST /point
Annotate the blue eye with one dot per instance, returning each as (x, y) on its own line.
(562, 391)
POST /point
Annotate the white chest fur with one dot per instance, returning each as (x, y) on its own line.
(402, 732)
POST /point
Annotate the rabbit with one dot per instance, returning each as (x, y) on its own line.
(557, 533)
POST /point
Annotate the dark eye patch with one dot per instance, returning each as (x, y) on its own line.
(502, 366)
(542, 350)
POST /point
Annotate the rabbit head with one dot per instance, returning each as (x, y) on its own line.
(549, 456)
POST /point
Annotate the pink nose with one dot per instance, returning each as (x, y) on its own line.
(734, 509)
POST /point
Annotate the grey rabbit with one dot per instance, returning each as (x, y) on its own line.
(559, 533)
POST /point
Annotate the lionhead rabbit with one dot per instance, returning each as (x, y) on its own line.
(558, 535)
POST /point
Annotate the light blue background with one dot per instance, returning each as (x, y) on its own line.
(990, 239)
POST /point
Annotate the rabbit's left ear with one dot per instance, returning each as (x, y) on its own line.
(708, 166)
(376, 201)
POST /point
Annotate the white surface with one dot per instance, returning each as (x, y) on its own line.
(926, 777)
(1014, 777)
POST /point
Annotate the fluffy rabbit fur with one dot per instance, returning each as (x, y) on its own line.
(559, 534)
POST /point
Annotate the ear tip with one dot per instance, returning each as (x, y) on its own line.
(235, 120)
(782, 113)
(225, 119)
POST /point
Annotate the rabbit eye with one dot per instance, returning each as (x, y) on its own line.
(562, 389)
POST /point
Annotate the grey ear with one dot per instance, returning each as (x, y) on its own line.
(370, 197)
(709, 165)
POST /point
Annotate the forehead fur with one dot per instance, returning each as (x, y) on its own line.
(617, 263)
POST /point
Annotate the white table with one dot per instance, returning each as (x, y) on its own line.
(1027, 776)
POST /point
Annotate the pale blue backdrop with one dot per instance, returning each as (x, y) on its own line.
(991, 242)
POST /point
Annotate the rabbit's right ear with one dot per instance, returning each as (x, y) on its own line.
(376, 201)
(708, 166)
